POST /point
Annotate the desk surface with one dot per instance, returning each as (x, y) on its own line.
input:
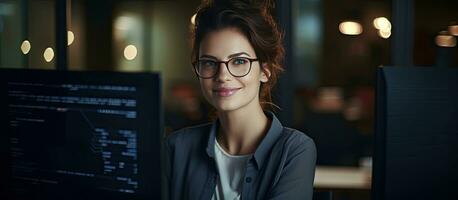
(342, 178)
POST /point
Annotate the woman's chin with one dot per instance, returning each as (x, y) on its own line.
(225, 106)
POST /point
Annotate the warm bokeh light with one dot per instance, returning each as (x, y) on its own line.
(445, 40)
(382, 23)
(48, 54)
(384, 33)
(193, 19)
(123, 23)
(350, 28)
(25, 47)
(70, 38)
(130, 52)
(453, 30)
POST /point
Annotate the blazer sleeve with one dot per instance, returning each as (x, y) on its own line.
(296, 180)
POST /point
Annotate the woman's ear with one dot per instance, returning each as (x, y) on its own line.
(265, 73)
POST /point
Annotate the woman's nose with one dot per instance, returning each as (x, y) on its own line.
(223, 73)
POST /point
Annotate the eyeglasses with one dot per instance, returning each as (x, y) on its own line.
(237, 67)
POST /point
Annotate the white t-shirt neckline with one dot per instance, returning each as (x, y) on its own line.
(231, 170)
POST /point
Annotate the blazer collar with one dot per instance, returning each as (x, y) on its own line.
(262, 151)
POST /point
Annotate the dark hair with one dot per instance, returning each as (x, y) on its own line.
(253, 19)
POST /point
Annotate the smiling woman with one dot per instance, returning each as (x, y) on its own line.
(245, 153)
(237, 83)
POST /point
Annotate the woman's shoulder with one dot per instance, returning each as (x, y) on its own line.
(297, 139)
(189, 135)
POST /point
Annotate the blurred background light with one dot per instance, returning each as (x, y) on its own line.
(350, 28)
(48, 54)
(382, 23)
(384, 33)
(70, 38)
(25, 47)
(123, 23)
(453, 30)
(384, 27)
(130, 52)
(444, 39)
(193, 19)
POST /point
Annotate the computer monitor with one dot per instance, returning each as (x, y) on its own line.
(80, 135)
(416, 139)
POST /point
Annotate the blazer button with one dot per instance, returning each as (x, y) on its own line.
(248, 180)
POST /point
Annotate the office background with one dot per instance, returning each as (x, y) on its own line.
(333, 50)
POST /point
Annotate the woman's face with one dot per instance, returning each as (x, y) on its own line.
(224, 91)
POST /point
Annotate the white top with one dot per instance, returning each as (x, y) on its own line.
(231, 170)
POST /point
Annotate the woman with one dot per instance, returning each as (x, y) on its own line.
(245, 153)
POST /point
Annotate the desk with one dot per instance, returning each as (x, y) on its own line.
(342, 178)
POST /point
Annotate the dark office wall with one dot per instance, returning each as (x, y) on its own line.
(431, 18)
(350, 60)
(99, 26)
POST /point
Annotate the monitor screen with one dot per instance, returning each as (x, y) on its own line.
(80, 135)
(416, 140)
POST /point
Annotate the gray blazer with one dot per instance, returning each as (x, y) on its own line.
(282, 167)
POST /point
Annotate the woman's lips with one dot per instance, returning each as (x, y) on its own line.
(226, 92)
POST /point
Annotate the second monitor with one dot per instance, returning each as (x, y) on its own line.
(81, 135)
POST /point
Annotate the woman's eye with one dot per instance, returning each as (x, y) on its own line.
(239, 61)
(208, 63)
